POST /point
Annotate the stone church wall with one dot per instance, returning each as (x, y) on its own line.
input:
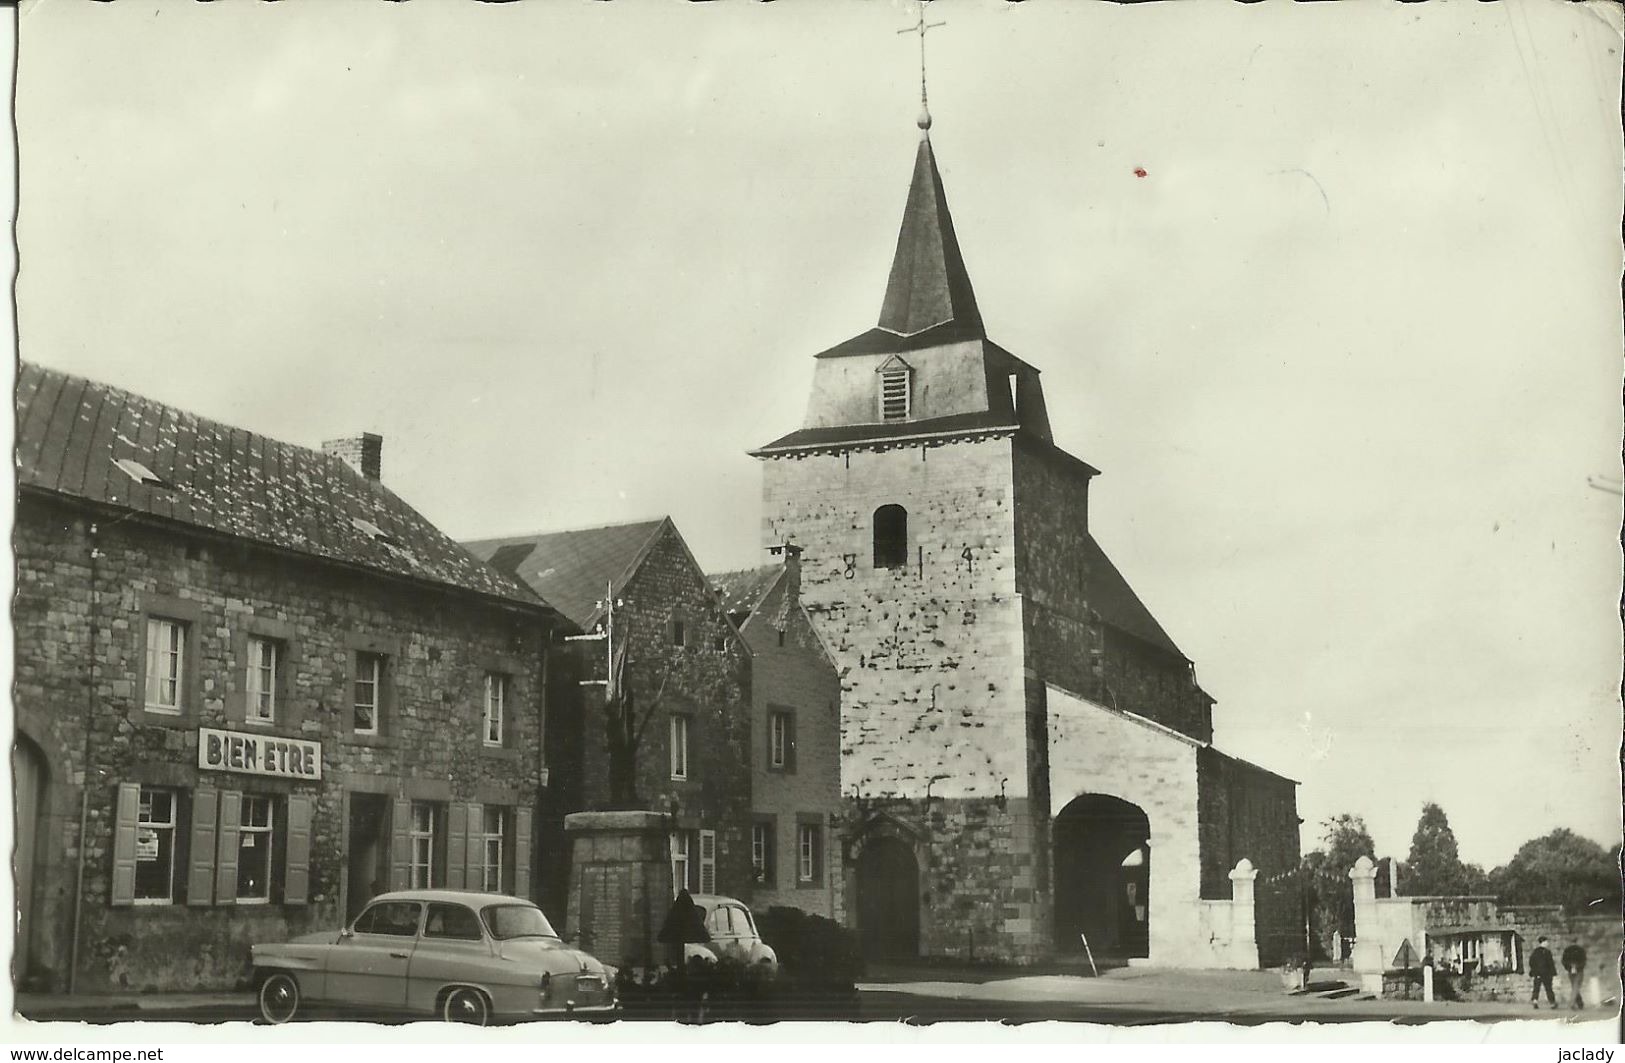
(931, 653)
(1066, 643)
(1247, 812)
(1096, 751)
(934, 724)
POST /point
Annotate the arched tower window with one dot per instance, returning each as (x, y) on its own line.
(891, 537)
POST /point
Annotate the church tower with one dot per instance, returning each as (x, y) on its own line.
(1022, 744)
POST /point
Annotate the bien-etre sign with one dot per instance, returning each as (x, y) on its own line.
(257, 754)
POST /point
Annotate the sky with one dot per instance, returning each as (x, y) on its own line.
(1348, 353)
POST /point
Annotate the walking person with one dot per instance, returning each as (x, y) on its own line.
(1574, 962)
(1542, 970)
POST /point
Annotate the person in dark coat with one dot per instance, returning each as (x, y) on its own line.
(1542, 970)
(1574, 962)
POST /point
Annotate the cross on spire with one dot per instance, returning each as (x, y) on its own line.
(920, 27)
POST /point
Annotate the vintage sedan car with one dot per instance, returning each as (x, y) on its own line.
(463, 957)
(731, 936)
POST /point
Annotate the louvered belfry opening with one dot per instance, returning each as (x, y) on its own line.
(894, 395)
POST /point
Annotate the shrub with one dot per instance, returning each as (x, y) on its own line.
(812, 949)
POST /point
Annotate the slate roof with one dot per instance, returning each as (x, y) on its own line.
(984, 422)
(571, 568)
(743, 590)
(72, 432)
(1114, 600)
(928, 285)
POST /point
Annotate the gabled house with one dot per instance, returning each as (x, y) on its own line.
(253, 688)
(796, 828)
(689, 673)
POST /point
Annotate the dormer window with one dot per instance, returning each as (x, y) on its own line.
(896, 383)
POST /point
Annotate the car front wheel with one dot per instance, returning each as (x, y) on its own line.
(466, 1005)
(279, 998)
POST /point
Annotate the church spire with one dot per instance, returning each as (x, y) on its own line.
(928, 285)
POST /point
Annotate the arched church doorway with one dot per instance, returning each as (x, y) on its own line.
(888, 899)
(1102, 876)
(29, 776)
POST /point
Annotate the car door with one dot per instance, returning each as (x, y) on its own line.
(367, 968)
(452, 948)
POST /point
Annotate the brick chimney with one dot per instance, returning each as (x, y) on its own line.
(363, 453)
(792, 569)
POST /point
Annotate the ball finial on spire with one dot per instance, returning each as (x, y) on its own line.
(924, 121)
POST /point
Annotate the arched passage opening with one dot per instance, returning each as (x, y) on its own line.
(888, 899)
(29, 777)
(1102, 859)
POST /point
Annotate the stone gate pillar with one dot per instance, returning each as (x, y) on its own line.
(1243, 916)
(620, 884)
(1368, 958)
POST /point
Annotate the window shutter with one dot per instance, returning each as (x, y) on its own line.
(127, 811)
(708, 861)
(225, 868)
(400, 846)
(200, 876)
(521, 852)
(790, 742)
(296, 883)
(476, 846)
(457, 827)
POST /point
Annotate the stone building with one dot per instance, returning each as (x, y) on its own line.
(690, 673)
(796, 850)
(253, 688)
(1026, 753)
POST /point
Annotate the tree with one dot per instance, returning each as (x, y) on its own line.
(1434, 866)
(624, 721)
(1329, 896)
(1561, 868)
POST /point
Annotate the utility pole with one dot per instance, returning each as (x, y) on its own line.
(606, 635)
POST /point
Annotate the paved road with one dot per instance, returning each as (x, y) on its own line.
(884, 1006)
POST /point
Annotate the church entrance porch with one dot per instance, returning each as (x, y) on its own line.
(888, 899)
(1102, 877)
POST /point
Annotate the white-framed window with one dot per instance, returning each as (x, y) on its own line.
(680, 849)
(166, 663)
(263, 660)
(369, 692)
(156, 822)
(894, 394)
(421, 837)
(495, 829)
(808, 852)
(780, 740)
(761, 853)
(254, 855)
(679, 746)
(496, 700)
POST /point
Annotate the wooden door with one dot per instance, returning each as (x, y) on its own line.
(889, 900)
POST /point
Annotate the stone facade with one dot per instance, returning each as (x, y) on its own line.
(80, 620)
(705, 678)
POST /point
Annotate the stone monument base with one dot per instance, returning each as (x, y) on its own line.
(620, 884)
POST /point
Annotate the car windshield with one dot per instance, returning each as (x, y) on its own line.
(506, 921)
